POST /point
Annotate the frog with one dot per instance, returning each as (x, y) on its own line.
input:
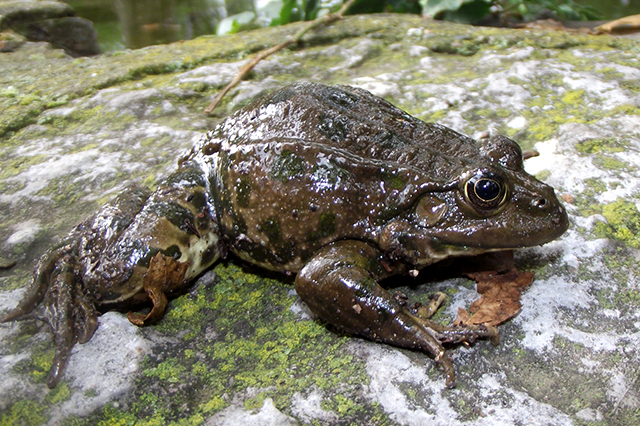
(328, 184)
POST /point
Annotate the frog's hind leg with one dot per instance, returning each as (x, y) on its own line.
(339, 284)
(58, 295)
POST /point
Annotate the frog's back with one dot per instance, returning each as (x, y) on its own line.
(352, 120)
(313, 164)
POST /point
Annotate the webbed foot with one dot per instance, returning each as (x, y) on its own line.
(56, 298)
(340, 285)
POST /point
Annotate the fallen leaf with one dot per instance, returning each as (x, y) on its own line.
(626, 25)
(164, 274)
(568, 198)
(500, 299)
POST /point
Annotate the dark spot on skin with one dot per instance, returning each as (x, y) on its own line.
(342, 99)
(172, 251)
(391, 179)
(189, 172)
(331, 173)
(334, 128)
(288, 166)
(211, 147)
(286, 251)
(239, 225)
(327, 224)
(208, 255)
(173, 212)
(256, 252)
(326, 227)
(271, 228)
(198, 199)
(243, 189)
(388, 140)
(387, 212)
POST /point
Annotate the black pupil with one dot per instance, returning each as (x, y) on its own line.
(487, 189)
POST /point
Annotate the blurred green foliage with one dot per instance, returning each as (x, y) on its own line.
(280, 12)
(473, 11)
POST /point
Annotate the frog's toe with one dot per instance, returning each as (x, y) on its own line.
(85, 319)
(70, 315)
(464, 334)
(37, 292)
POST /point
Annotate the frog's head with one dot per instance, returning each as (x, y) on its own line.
(491, 204)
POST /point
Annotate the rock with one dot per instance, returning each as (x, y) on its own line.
(242, 347)
(10, 41)
(50, 21)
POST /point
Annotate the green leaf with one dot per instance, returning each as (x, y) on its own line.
(287, 10)
(433, 7)
(464, 11)
(469, 13)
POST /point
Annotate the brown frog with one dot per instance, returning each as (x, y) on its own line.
(327, 182)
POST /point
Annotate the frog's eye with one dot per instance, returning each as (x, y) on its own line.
(485, 190)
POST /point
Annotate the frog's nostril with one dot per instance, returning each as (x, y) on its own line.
(540, 203)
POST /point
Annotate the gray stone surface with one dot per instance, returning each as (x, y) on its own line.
(240, 347)
(50, 21)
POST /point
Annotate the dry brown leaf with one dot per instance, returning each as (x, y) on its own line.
(164, 274)
(500, 297)
(626, 25)
(462, 318)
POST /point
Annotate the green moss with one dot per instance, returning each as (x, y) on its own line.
(40, 365)
(256, 402)
(572, 97)
(341, 405)
(256, 347)
(21, 278)
(623, 223)
(27, 413)
(611, 163)
(215, 404)
(58, 394)
(543, 175)
(20, 164)
(592, 146)
(169, 371)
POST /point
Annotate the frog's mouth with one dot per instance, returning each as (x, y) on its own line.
(420, 244)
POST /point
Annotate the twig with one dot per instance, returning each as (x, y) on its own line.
(323, 20)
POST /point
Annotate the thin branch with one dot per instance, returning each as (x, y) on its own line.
(323, 20)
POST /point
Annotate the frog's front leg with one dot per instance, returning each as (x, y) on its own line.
(339, 284)
(134, 249)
